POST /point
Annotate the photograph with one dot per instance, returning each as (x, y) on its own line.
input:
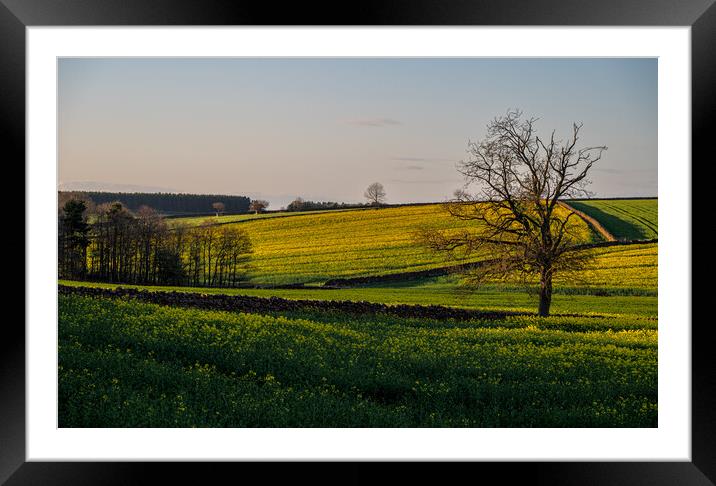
(309, 243)
(357, 242)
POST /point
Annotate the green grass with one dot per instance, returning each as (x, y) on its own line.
(128, 364)
(632, 219)
(446, 292)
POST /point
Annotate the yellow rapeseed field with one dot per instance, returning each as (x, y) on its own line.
(320, 246)
(632, 266)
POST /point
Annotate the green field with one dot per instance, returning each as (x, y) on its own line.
(626, 274)
(315, 247)
(447, 292)
(127, 364)
(631, 219)
(593, 363)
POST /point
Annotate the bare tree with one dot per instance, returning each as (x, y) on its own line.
(258, 205)
(219, 207)
(375, 194)
(520, 224)
(150, 229)
(120, 246)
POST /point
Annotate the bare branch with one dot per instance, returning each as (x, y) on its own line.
(520, 179)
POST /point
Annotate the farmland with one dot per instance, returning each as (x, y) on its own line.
(632, 219)
(128, 362)
(240, 218)
(628, 274)
(446, 292)
(313, 248)
(361, 242)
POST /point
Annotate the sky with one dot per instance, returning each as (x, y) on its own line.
(326, 128)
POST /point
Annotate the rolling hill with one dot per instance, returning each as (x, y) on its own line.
(630, 219)
(315, 247)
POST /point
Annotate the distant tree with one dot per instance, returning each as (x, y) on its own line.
(219, 207)
(375, 194)
(520, 224)
(258, 205)
(300, 204)
(295, 205)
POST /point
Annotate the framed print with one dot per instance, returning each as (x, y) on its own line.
(422, 233)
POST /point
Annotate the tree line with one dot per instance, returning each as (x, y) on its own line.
(164, 202)
(300, 204)
(375, 194)
(110, 243)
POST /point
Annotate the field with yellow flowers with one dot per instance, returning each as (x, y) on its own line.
(419, 351)
(315, 247)
(129, 364)
(240, 218)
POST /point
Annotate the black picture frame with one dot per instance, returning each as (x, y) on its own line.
(16, 15)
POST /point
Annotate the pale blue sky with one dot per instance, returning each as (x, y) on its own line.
(326, 128)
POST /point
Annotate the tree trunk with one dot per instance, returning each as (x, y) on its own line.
(545, 293)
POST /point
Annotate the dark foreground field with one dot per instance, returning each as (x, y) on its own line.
(126, 363)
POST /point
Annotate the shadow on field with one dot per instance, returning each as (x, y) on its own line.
(618, 227)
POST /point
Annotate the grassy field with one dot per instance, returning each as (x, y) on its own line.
(633, 219)
(322, 245)
(447, 292)
(127, 364)
(593, 363)
(623, 280)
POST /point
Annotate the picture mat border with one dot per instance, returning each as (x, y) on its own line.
(671, 441)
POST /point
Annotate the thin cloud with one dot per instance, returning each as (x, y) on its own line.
(623, 171)
(374, 122)
(420, 159)
(432, 181)
(413, 167)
